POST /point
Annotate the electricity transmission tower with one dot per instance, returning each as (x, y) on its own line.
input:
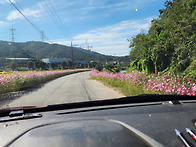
(42, 36)
(12, 34)
(12, 43)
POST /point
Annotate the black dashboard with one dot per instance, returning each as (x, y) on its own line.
(125, 124)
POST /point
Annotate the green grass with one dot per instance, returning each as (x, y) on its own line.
(124, 87)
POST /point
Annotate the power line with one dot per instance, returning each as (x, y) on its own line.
(50, 15)
(12, 30)
(56, 19)
(59, 18)
(27, 18)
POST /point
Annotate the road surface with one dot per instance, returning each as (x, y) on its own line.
(76, 87)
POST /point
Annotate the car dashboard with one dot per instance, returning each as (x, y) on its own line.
(127, 124)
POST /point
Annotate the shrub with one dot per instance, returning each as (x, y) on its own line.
(63, 64)
(13, 65)
(30, 65)
(99, 67)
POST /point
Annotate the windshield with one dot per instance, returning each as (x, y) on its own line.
(55, 52)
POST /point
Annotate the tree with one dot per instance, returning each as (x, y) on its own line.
(41, 65)
(30, 65)
(99, 67)
(140, 53)
(13, 65)
(53, 65)
(117, 68)
(170, 42)
(93, 64)
(109, 66)
(70, 63)
(63, 64)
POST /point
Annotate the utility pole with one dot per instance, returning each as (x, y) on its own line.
(86, 44)
(89, 56)
(72, 55)
(87, 47)
(89, 52)
(42, 36)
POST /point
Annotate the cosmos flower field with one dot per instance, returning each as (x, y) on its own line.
(23, 80)
(136, 83)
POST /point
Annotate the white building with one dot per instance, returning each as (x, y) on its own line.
(55, 60)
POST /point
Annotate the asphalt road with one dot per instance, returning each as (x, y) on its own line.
(71, 88)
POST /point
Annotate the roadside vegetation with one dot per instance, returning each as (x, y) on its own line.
(15, 81)
(109, 67)
(164, 59)
(136, 83)
(170, 44)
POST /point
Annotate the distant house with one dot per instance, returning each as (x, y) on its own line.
(20, 59)
(83, 64)
(55, 60)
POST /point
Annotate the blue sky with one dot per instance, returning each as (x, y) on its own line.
(104, 24)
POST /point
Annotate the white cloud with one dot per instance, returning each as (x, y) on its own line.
(4, 24)
(112, 39)
(27, 12)
(5, 1)
(116, 5)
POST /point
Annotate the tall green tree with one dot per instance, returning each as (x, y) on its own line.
(170, 42)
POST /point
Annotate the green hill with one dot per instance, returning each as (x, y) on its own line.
(38, 50)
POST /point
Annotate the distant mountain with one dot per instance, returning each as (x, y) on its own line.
(38, 50)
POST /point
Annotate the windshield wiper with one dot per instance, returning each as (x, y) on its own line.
(19, 115)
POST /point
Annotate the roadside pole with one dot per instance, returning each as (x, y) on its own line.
(72, 58)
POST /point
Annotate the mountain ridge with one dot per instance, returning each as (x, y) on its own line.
(38, 50)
